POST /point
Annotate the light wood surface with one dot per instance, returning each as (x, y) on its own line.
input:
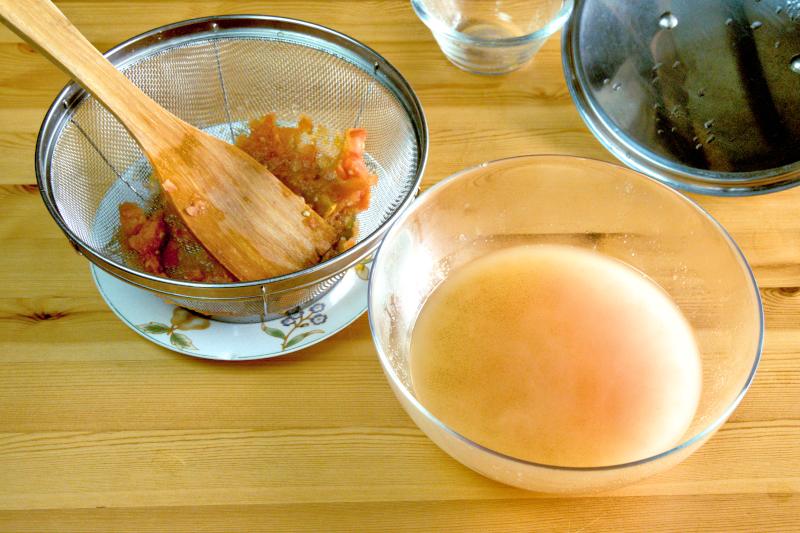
(103, 431)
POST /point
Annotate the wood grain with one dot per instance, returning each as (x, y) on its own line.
(730, 513)
(102, 431)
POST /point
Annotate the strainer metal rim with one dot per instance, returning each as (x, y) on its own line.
(166, 36)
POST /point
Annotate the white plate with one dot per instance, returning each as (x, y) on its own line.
(191, 334)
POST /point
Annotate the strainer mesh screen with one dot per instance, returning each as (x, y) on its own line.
(219, 84)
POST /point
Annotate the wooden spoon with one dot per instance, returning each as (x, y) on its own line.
(242, 214)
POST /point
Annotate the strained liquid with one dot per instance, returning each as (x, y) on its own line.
(557, 355)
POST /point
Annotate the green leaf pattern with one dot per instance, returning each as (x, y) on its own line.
(272, 332)
(154, 328)
(295, 319)
(298, 338)
(182, 319)
(179, 340)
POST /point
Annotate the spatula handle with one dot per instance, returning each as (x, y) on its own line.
(42, 24)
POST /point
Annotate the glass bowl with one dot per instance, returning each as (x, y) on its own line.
(585, 203)
(490, 36)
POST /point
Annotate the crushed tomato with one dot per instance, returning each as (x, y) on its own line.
(330, 174)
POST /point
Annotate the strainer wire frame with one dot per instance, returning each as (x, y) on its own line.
(209, 28)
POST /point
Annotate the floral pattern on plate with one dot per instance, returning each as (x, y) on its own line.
(184, 331)
(296, 319)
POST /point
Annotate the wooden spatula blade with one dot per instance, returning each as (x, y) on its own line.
(242, 214)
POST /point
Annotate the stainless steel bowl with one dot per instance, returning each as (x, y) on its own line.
(217, 73)
(704, 96)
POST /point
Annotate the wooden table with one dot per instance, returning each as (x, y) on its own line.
(103, 431)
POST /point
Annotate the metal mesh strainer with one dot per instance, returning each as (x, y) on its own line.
(217, 74)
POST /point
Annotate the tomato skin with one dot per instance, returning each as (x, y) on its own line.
(355, 178)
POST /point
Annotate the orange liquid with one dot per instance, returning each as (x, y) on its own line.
(557, 355)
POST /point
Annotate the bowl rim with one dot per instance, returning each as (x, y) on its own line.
(155, 40)
(438, 27)
(398, 384)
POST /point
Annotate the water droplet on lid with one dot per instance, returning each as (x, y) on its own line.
(698, 146)
(617, 86)
(777, 44)
(794, 63)
(708, 123)
(694, 138)
(676, 64)
(661, 132)
(711, 138)
(756, 24)
(728, 21)
(656, 66)
(606, 81)
(656, 80)
(673, 129)
(667, 20)
(778, 10)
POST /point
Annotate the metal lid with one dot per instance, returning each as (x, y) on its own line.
(704, 96)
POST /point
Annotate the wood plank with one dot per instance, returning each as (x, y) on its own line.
(367, 464)
(774, 512)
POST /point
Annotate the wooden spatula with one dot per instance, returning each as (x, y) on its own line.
(243, 215)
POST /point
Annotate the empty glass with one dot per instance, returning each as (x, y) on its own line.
(492, 36)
